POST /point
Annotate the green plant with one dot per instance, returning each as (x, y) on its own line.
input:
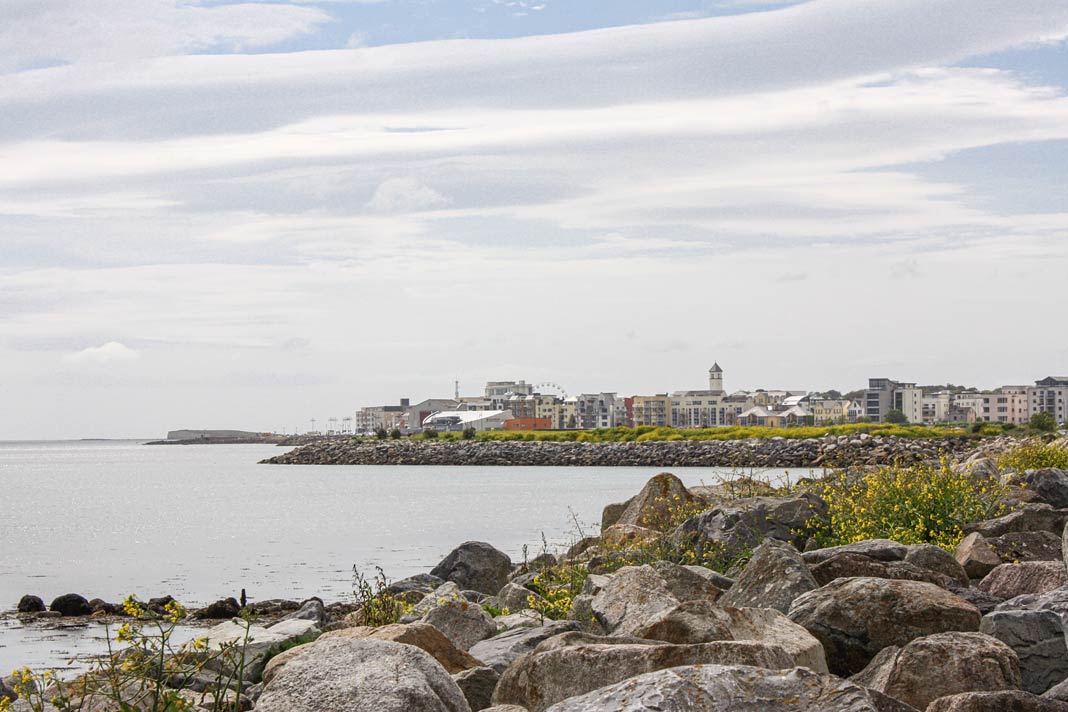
(429, 434)
(556, 588)
(895, 416)
(378, 606)
(469, 433)
(149, 674)
(1043, 422)
(1034, 456)
(911, 505)
(395, 434)
(381, 434)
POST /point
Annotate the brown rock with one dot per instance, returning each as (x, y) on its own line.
(976, 556)
(422, 635)
(1011, 580)
(1004, 701)
(652, 507)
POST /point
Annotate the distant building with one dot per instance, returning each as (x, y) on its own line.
(457, 420)
(1049, 396)
(936, 407)
(711, 408)
(528, 424)
(652, 410)
(497, 392)
(760, 416)
(1008, 404)
(884, 395)
(831, 410)
(416, 414)
(599, 410)
(376, 417)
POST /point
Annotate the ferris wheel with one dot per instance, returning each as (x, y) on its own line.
(551, 389)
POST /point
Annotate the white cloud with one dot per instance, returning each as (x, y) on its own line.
(110, 352)
(100, 30)
(405, 195)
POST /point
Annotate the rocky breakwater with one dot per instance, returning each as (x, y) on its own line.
(856, 449)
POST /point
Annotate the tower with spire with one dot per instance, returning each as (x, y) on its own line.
(715, 378)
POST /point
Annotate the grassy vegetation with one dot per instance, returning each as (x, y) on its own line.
(1034, 456)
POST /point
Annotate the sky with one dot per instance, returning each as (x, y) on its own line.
(247, 215)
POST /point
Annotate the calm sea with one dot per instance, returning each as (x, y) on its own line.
(105, 519)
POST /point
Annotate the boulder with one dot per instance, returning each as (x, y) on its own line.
(477, 566)
(421, 583)
(346, 675)
(731, 529)
(311, 610)
(773, 578)
(422, 635)
(652, 508)
(515, 597)
(719, 580)
(1028, 518)
(549, 675)
(1058, 691)
(222, 609)
(976, 556)
(6, 691)
(1027, 546)
(71, 604)
(503, 649)
(685, 584)
(627, 536)
(723, 688)
(477, 685)
(940, 665)
(984, 468)
(463, 623)
(935, 558)
(878, 549)
(1048, 485)
(1033, 626)
(706, 622)
(30, 604)
(100, 607)
(855, 618)
(505, 708)
(853, 565)
(1004, 701)
(612, 512)
(1011, 580)
(636, 593)
(980, 599)
(262, 642)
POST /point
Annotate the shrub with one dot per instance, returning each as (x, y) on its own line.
(429, 434)
(377, 605)
(557, 587)
(919, 504)
(1043, 422)
(469, 433)
(1034, 456)
(896, 417)
(381, 434)
(395, 434)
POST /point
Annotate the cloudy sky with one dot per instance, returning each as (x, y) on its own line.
(246, 215)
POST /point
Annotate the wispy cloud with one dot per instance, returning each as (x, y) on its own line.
(110, 352)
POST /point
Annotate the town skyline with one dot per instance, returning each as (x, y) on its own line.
(256, 211)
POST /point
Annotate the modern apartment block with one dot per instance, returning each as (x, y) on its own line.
(1049, 396)
(371, 418)
(1008, 404)
(497, 392)
(599, 410)
(884, 395)
(652, 410)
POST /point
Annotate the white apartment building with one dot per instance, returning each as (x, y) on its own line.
(707, 408)
(1050, 395)
(884, 395)
(599, 410)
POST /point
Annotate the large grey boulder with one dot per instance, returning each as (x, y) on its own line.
(1048, 485)
(939, 665)
(855, 618)
(311, 610)
(262, 642)
(1036, 517)
(1037, 637)
(1029, 577)
(422, 635)
(1027, 546)
(477, 684)
(515, 597)
(878, 549)
(736, 527)
(477, 566)
(552, 674)
(420, 583)
(1003, 701)
(637, 593)
(503, 649)
(852, 565)
(463, 623)
(652, 507)
(347, 675)
(773, 578)
(706, 622)
(935, 558)
(721, 688)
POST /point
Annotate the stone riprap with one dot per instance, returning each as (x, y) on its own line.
(860, 449)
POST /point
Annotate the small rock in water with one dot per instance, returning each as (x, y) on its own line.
(71, 604)
(31, 604)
